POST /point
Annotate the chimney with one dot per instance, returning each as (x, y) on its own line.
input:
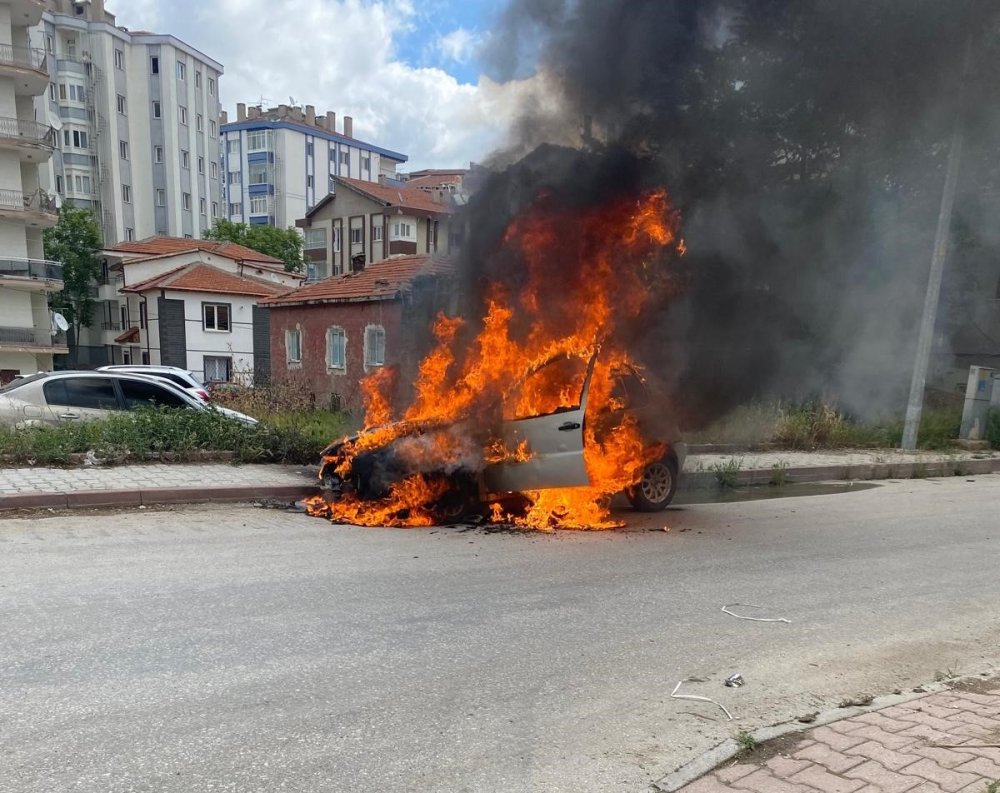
(320, 122)
(241, 111)
(254, 112)
(310, 115)
(331, 121)
(282, 111)
(223, 117)
(297, 113)
(348, 127)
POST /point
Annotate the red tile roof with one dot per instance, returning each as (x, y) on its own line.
(132, 334)
(206, 278)
(393, 196)
(382, 280)
(168, 246)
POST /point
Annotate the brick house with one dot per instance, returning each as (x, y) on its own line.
(361, 222)
(330, 334)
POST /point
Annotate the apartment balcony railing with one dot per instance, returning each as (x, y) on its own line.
(39, 201)
(40, 269)
(23, 57)
(31, 337)
(29, 131)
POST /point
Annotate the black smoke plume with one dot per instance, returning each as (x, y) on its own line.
(804, 143)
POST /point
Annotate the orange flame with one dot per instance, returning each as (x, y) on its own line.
(587, 273)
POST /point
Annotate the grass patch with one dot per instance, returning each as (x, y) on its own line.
(727, 473)
(180, 433)
(746, 743)
(779, 474)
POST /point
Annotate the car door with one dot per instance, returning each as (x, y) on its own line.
(556, 395)
(139, 392)
(79, 398)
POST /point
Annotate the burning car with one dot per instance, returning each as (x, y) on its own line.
(551, 437)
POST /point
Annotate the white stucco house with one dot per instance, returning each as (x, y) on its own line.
(190, 303)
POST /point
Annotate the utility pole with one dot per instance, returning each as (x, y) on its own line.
(925, 339)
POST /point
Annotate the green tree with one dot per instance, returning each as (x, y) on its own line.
(74, 242)
(284, 244)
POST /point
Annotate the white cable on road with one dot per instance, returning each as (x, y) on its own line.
(695, 697)
(726, 610)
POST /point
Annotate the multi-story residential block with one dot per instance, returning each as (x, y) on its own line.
(360, 223)
(28, 337)
(188, 303)
(281, 162)
(137, 120)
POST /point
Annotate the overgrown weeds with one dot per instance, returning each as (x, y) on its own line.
(727, 474)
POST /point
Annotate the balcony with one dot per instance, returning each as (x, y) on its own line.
(32, 340)
(27, 67)
(32, 209)
(34, 142)
(25, 13)
(31, 274)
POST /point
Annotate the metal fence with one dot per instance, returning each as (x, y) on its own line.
(27, 130)
(39, 201)
(31, 268)
(30, 57)
(31, 337)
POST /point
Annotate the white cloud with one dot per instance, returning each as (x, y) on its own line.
(342, 55)
(459, 45)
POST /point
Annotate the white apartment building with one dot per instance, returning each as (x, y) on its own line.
(136, 116)
(279, 163)
(27, 338)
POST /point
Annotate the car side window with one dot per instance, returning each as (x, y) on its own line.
(95, 393)
(555, 387)
(142, 394)
(628, 392)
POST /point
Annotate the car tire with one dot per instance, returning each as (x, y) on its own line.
(657, 487)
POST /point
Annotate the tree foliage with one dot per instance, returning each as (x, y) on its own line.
(284, 244)
(74, 242)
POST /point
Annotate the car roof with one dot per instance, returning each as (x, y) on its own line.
(21, 381)
(143, 367)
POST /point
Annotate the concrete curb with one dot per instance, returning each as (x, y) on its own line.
(149, 496)
(700, 480)
(729, 749)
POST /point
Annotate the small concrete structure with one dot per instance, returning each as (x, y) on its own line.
(978, 399)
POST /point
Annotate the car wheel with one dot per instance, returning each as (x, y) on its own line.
(657, 487)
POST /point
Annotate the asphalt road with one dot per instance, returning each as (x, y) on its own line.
(238, 649)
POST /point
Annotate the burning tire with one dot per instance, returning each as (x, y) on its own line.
(657, 487)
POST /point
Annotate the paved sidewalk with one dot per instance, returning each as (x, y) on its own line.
(153, 483)
(946, 742)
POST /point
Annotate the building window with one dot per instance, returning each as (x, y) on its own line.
(212, 129)
(345, 158)
(215, 316)
(309, 149)
(201, 165)
(218, 369)
(202, 206)
(366, 163)
(62, 91)
(186, 200)
(154, 65)
(211, 86)
(336, 240)
(293, 346)
(157, 154)
(59, 185)
(234, 177)
(185, 158)
(120, 59)
(309, 181)
(197, 79)
(52, 91)
(235, 209)
(376, 232)
(336, 348)
(121, 104)
(402, 231)
(357, 236)
(199, 122)
(127, 193)
(145, 358)
(82, 183)
(123, 149)
(77, 138)
(315, 238)
(126, 356)
(181, 71)
(142, 313)
(233, 146)
(258, 139)
(161, 197)
(257, 173)
(130, 235)
(77, 93)
(123, 315)
(258, 205)
(374, 345)
(215, 170)
(157, 109)
(183, 115)
(50, 46)
(215, 209)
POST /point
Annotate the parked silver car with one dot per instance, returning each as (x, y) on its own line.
(51, 398)
(184, 378)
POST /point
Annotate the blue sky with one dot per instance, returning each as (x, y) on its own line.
(407, 71)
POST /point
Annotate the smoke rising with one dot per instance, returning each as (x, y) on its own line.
(803, 142)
